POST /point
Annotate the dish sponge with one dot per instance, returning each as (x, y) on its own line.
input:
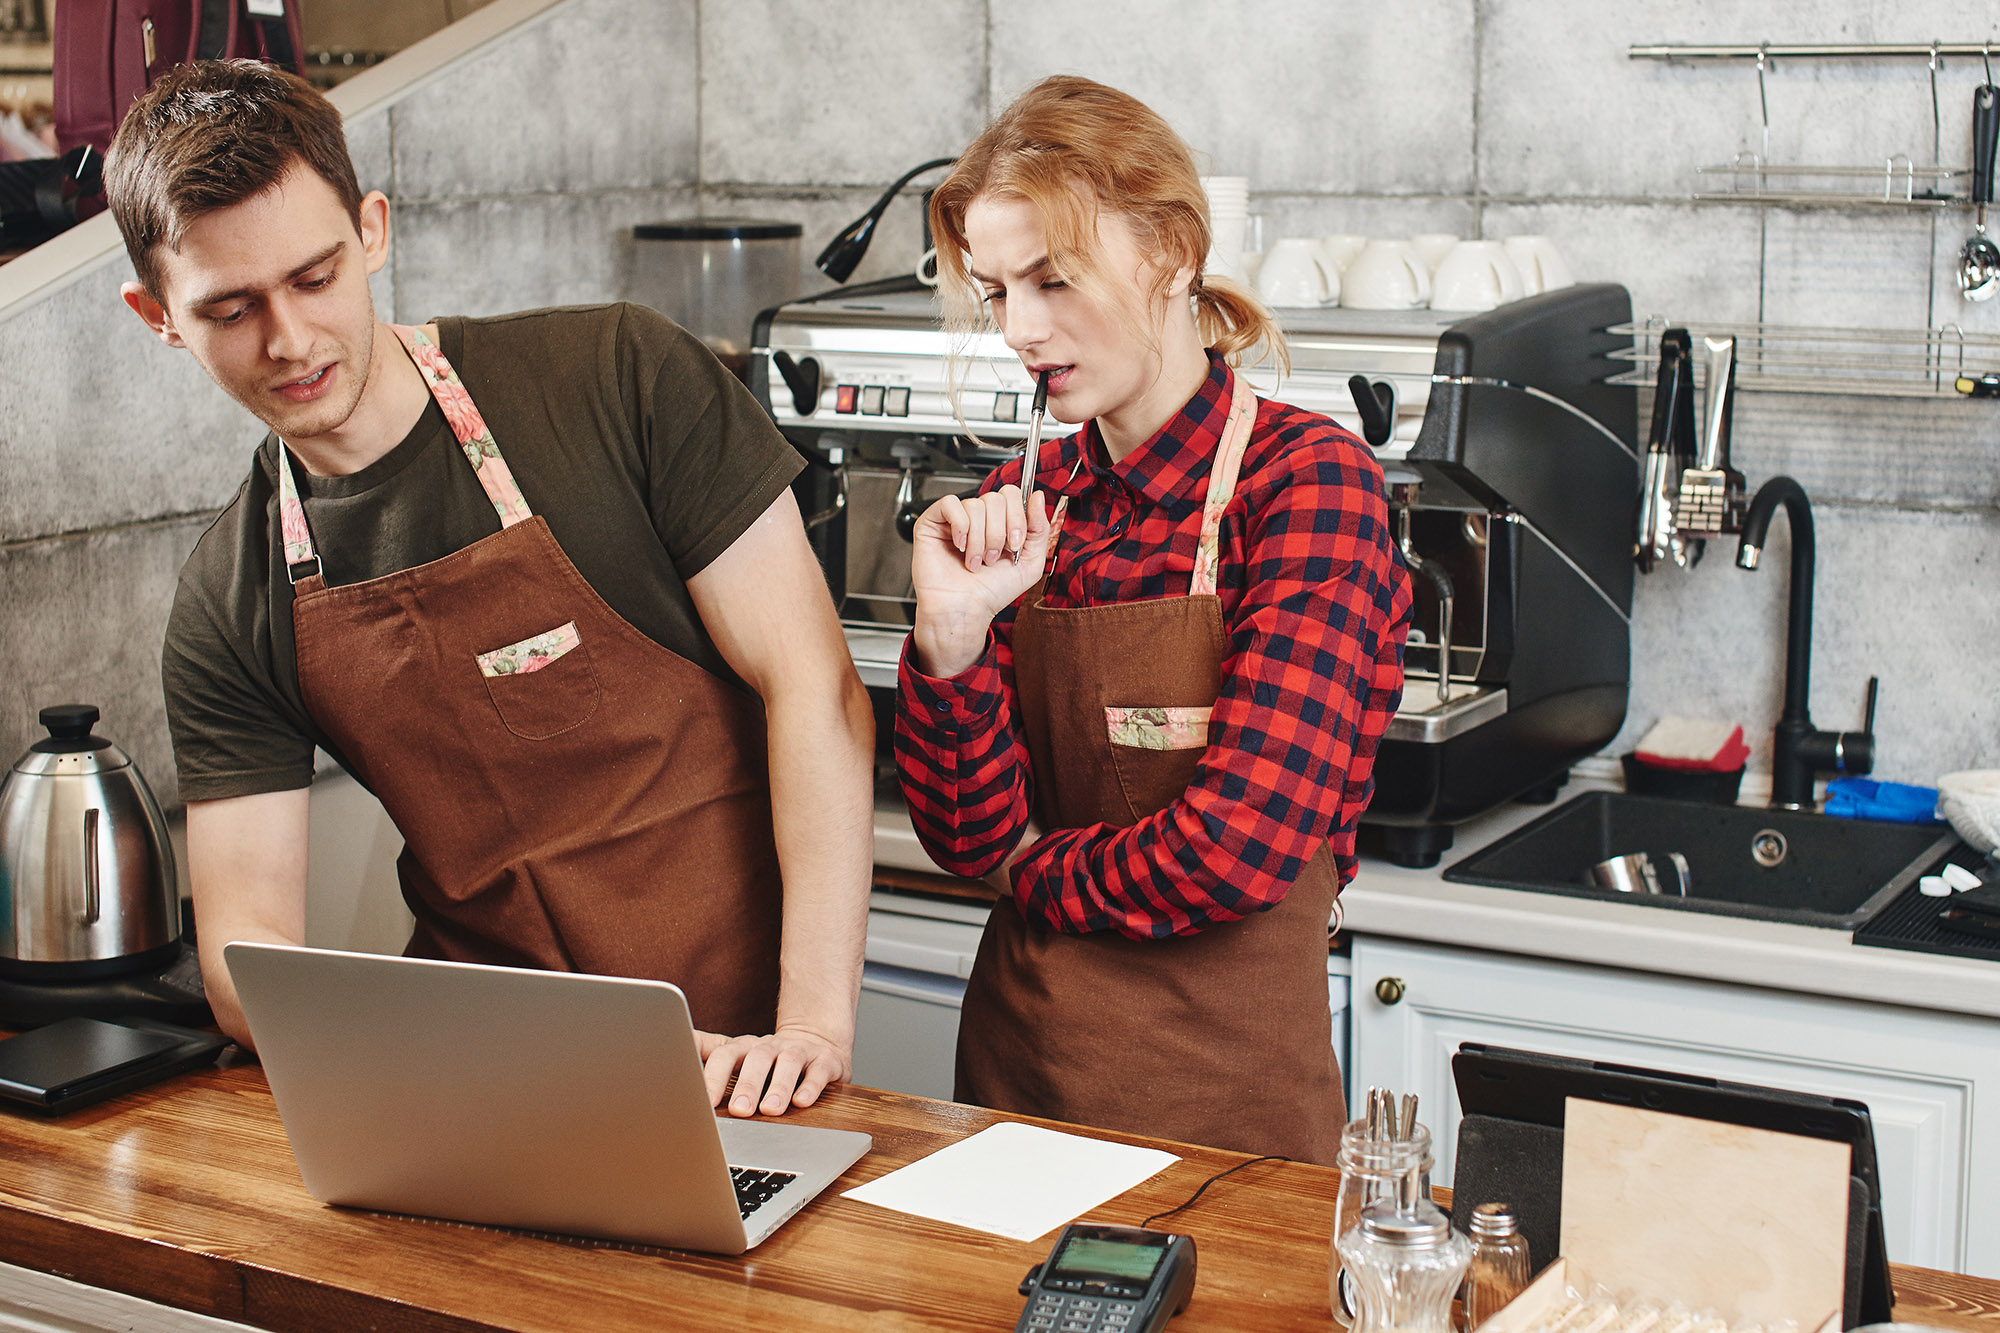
(1693, 745)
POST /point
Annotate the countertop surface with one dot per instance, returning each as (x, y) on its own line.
(186, 1194)
(1390, 900)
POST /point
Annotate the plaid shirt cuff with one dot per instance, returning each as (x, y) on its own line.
(950, 706)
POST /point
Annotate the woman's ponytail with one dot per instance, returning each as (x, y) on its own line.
(1233, 321)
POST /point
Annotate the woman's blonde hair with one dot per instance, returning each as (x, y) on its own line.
(1070, 147)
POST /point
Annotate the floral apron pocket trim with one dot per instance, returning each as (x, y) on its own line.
(1158, 728)
(530, 654)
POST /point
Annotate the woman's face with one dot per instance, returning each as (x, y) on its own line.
(1101, 367)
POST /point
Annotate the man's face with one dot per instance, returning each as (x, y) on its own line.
(271, 296)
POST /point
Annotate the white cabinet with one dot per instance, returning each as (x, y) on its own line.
(1919, 1071)
(920, 952)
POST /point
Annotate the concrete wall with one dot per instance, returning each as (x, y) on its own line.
(517, 170)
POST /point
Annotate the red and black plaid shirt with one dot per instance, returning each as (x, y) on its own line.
(1317, 604)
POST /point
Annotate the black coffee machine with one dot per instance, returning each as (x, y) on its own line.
(1512, 466)
(1513, 507)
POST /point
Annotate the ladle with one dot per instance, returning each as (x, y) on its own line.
(1979, 261)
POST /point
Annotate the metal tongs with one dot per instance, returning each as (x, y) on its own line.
(1031, 448)
(1670, 452)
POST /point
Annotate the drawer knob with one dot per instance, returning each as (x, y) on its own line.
(1389, 990)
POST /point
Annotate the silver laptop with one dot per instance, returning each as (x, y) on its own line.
(544, 1100)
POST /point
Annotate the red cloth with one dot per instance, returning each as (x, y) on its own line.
(1725, 760)
(1317, 604)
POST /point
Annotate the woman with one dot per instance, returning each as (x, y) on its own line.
(1185, 691)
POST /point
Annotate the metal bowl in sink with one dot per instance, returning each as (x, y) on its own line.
(1774, 865)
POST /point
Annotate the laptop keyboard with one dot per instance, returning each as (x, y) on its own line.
(754, 1188)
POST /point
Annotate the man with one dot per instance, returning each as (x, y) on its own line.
(538, 581)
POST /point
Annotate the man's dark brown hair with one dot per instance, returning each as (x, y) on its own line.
(208, 135)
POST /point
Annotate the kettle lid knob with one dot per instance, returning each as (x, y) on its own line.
(69, 722)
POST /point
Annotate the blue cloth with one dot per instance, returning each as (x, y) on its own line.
(1895, 802)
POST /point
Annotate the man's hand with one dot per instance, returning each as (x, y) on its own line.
(764, 602)
(791, 1067)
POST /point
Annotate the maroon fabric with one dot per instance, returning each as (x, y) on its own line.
(607, 813)
(100, 53)
(1221, 1038)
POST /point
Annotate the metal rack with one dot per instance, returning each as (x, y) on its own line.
(1776, 358)
(1750, 180)
(1755, 179)
(1874, 363)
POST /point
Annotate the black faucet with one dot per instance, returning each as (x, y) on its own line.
(1799, 751)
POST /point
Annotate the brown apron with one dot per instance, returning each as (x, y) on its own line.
(572, 795)
(1221, 1038)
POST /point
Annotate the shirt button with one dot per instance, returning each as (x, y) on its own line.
(943, 707)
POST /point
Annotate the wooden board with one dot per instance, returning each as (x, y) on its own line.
(1746, 1222)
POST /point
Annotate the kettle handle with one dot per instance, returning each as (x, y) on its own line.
(91, 901)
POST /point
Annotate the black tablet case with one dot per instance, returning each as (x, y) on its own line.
(1510, 1145)
(77, 1061)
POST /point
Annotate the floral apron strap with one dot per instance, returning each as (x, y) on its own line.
(1222, 485)
(467, 426)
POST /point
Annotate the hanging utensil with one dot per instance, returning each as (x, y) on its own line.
(1979, 261)
(1711, 498)
(1673, 412)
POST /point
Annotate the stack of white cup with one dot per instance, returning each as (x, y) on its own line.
(1228, 223)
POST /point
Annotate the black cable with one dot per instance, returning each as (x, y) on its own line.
(844, 251)
(1271, 1157)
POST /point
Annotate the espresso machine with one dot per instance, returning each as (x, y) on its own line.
(1512, 466)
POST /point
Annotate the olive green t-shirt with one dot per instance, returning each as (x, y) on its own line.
(646, 457)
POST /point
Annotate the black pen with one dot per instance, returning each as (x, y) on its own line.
(1031, 451)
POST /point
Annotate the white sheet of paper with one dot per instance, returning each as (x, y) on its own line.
(1014, 1180)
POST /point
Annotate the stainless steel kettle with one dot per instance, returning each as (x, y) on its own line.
(87, 881)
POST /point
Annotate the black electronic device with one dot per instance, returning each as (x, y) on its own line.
(1108, 1279)
(1511, 1133)
(77, 1061)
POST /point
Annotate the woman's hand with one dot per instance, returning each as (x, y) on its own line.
(964, 573)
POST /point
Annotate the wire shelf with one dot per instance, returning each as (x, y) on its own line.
(1899, 182)
(1875, 363)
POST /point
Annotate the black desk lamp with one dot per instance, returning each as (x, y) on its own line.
(844, 251)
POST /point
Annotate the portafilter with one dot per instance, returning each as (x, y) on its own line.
(87, 881)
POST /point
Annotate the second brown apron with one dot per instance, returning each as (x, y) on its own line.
(572, 795)
(1221, 1038)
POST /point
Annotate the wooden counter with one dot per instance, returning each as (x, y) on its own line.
(186, 1194)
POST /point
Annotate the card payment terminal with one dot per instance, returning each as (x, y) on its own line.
(1106, 1279)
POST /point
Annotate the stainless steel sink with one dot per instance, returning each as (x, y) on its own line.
(1774, 865)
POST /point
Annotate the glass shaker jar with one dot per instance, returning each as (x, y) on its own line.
(1499, 1263)
(1405, 1267)
(1373, 1168)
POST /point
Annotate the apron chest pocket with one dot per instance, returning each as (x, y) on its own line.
(1158, 728)
(543, 685)
(1155, 753)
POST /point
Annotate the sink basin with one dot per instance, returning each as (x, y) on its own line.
(1832, 872)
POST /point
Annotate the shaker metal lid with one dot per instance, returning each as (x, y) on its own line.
(1392, 1226)
(70, 747)
(718, 229)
